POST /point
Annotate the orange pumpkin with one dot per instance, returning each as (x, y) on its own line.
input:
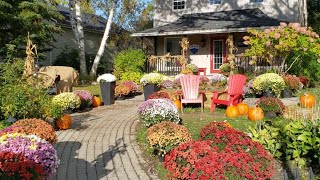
(177, 103)
(307, 100)
(255, 114)
(64, 122)
(232, 112)
(243, 108)
(96, 101)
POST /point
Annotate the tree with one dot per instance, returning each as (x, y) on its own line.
(122, 13)
(289, 45)
(314, 14)
(76, 24)
(19, 17)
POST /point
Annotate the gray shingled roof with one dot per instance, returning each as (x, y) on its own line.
(219, 22)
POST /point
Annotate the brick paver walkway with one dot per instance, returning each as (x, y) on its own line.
(101, 145)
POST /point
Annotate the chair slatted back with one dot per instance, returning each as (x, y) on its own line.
(190, 86)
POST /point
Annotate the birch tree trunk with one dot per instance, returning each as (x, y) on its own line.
(103, 43)
(76, 24)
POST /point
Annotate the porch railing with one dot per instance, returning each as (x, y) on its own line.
(172, 67)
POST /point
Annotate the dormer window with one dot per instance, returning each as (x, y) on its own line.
(256, 1)
(179, 4)
(215, 1)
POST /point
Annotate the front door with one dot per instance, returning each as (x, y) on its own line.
(218, 54)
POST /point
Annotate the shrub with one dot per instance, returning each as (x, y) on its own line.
(167, 135)
(289, 44)
(186, 71)
(32, 148)
(16, 166)
(269, 104)
(85, 97)
(36, 127)
(151, 78)
(122, 90)
(292, 82)
(154, 111)
(159, 95)
(225, 68)
(131, 85)
(192, 67)
(67, 101)
(129, 61)
(269, 82)
(131, 76)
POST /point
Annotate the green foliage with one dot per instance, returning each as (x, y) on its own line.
(298, 141)
(131, 76)
(314, 14)
(20, 98)
(70, 57)
(19, 17)
(129, 61)
(291, 44)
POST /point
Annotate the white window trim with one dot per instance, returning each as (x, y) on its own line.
(185, 6)
(215, 4)
(221, 40)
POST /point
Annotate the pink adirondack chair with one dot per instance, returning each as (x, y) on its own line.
(235, 86)
(190, 88)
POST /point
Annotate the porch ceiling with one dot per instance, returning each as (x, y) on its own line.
(213, 22)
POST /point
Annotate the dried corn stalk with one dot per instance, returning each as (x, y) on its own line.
(31, 52)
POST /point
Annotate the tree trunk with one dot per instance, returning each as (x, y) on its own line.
(103, 43)
(76, 24)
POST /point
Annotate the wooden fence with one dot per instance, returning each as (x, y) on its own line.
(172, 67)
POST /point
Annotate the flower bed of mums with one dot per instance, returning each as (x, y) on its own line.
(221, 153)
(26, 151)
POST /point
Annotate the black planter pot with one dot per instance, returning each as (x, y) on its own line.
(268, 94)
(149, 89)
(286, 93)
(107, 92)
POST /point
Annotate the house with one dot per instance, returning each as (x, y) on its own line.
(93, 26)
(208, 23)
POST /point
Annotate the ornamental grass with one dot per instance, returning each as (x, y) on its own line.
(220, 153)
(166, 135)
(36, 127)
(17, 166)
(33, 148)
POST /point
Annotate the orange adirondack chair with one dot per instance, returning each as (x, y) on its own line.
(190, 88)
(235, 86)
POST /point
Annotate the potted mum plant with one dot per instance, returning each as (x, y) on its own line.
(193, 68)
(107, 87)
(151, 83)
(271, 106)
(269, 85)
(292, 85)
(121, 91)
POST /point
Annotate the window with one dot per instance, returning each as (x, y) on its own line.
(172, 46)
(179, 4)
(215, 1)
(217, 54)
(256, 1)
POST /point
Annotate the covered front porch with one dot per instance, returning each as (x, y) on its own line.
(207, 35)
